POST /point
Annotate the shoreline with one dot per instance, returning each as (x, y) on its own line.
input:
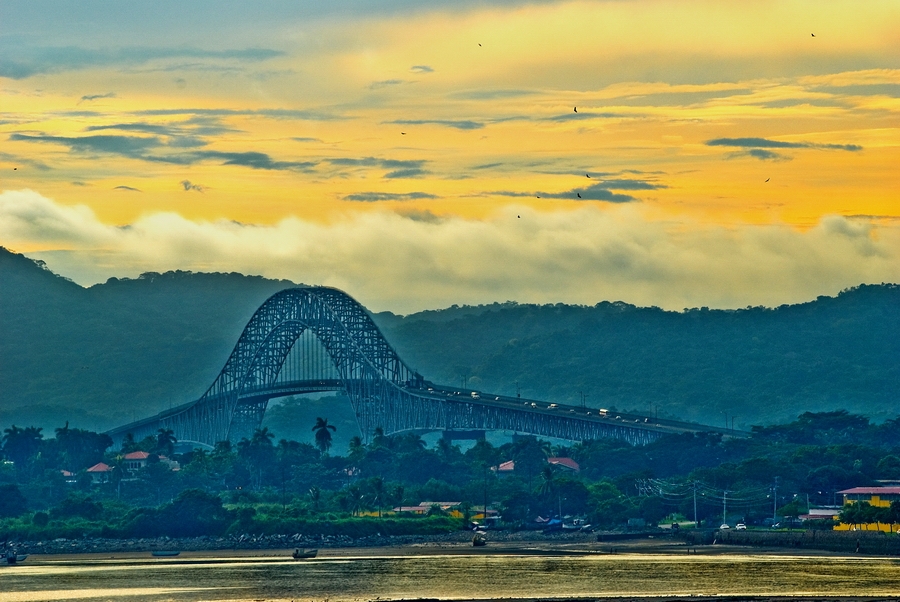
(521, 547)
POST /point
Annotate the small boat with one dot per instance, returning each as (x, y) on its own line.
(300, 554)
(478, 540)
(13, 558)
(165, 553)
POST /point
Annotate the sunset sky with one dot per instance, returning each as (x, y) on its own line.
(421, 154)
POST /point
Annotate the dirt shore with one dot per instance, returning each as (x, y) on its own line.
(522, 547)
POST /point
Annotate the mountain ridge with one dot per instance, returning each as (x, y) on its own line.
(127, 348)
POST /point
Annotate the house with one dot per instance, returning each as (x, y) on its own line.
(99, 472)
(448, 508)
(135, 460)
(567, 465)
(138, 460)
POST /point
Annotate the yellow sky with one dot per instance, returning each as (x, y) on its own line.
(691, 116)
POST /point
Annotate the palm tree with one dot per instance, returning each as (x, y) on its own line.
(165, 441)
(356, 450)
(377, 485)
(323, 437)
(315, 494)
(20, 445)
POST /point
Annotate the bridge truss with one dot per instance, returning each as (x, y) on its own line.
(312, 339)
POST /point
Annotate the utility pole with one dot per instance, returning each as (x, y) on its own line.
(583, 397)
(518, 390)
(694, 484)
(724, 505)
(775, 500)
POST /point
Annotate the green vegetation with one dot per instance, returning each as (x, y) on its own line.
(258, 486)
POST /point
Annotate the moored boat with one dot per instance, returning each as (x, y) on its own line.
(300, 554)
(165, 553)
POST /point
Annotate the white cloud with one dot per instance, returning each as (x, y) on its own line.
(388, 261)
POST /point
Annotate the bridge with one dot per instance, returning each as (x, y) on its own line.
(316, 339)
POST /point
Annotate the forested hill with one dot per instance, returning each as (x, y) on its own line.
(99, 356)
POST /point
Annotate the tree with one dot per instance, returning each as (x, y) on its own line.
(165, 441)
(315, 494)
(893, 515)
(12, 502)
(356, 449)
(258, 452)
(323, 436)
(530, 455)
(376, 484)
(80, 448)
(195, 512)
(20, 445)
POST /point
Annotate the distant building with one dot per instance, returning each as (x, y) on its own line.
(880, 497)
(99, 472)
(821, 514)
(876, 496)
(566, 464)
(135, 461)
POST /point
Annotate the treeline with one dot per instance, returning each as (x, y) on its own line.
(259, 485)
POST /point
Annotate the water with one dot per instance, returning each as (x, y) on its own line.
(348, 579)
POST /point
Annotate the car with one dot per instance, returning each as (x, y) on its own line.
(740, 527)
(552, 406)
(724, 526)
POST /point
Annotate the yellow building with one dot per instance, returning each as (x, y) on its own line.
(879, 497)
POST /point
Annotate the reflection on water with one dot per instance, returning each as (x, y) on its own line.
(482, 576)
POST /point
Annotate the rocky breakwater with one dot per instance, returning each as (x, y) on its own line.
(269, 542)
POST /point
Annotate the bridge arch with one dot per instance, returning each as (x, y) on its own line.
(383, 390)
(365, 362)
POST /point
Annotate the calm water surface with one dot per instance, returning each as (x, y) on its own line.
(355, 579)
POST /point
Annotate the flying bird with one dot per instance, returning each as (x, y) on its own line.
(403, 133)
(519, 216)
(767, 179)
(576, 109)
(479, 44)
(587, 175)
(813, 35)
(579, 194)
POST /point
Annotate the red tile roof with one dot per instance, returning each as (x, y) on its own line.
(565, 462)
(99, 467)
(137, 455)
(872, 491)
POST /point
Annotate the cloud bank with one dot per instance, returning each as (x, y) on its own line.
(403, 263)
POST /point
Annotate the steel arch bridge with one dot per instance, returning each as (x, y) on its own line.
(312, 339)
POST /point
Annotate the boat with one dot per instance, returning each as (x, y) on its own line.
(300, 554)
(165, 553)
(13, 558)
(478, 540)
